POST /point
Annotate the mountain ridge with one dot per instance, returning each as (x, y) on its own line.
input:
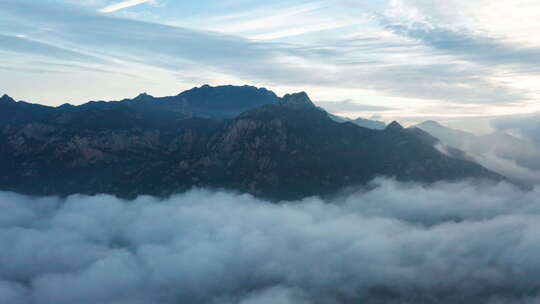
(279, 149)
(501, 152)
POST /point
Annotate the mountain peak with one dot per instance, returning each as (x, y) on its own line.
(6, 98)
(368, 123)
(143, 97)
(297, 100)
(394, 126)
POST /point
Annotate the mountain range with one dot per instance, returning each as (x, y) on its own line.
(362, 122)
(514, 157)
(244, 139)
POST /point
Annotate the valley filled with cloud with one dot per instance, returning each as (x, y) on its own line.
(388, 242)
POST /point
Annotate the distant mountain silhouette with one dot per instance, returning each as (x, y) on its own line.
(209, 102)
(362, 122)
(498, 151)
(240, 138)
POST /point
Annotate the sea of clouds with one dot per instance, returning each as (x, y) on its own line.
(389, 243)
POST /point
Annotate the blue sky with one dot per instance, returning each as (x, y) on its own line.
(410, 60)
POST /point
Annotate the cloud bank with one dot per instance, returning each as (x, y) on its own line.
(525, 126)
(395, 243)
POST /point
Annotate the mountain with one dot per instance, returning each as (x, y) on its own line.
(452, 137)
(204, 102)
(362, 122)
(501, 152)
(210, 102)
(13, 112)
(368, 123)
(279, 148)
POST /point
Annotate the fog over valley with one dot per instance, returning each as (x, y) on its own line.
(512, 149)
(395, 243)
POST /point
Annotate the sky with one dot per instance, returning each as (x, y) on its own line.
(460, 62)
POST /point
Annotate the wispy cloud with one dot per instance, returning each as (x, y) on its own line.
(122, 5)
(22, 45)
(483, 50)
(384, 61)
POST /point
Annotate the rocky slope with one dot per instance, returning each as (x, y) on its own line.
(279, 148)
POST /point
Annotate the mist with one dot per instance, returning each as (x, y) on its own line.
(512, 149)
(389, 243)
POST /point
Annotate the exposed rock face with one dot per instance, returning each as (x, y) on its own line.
(297, 100)
(282, 150)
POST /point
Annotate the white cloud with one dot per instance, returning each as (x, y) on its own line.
(479, 16)
(122, 5)
(333, 49)
(395, 243)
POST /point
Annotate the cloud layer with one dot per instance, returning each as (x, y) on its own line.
(395, 243)
(410, 56)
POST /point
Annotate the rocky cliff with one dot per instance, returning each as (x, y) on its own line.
(279, 148)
